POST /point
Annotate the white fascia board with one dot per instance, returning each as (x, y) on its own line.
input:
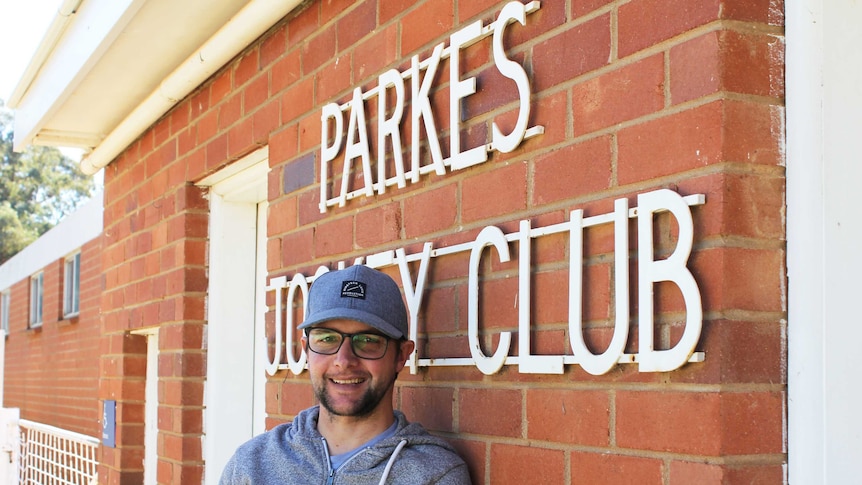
(96, 25)
(77, 229)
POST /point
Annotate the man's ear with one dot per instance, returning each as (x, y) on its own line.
(405, 348)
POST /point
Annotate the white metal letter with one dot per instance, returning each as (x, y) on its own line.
(672, 269)
(459, 89)
(488, 365)
(527, 362)
(414, 296)
(389, 127)
(354, 149)
(295, 365)
(514, 71)
(329, 152)
(276, 284)
(421, 109)
(602, 363)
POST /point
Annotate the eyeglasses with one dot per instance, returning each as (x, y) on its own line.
(364, 345)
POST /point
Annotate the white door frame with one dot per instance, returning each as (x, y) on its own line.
(824, 116)
(151, 404)
(235, 385)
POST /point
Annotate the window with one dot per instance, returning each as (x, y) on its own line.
(4, 311)
(36, 300)
(72, 286)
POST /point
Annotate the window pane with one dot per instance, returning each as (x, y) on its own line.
(4, 311)
(36, 300)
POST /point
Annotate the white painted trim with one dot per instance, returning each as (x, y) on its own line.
(151, 404)
(824, 113)
(246, 26)
(79, 228)
(235, 403)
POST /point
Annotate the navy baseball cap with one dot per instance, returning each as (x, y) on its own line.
(357, 293)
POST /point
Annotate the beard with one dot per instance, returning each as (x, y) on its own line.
(364, 406)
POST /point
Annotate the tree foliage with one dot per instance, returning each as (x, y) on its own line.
(38, 187)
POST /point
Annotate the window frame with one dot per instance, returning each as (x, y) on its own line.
(37, 293)
(72, 285)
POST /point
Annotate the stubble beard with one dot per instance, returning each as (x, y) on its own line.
(362, 407)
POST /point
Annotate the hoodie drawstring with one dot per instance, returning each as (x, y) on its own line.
(391, 461)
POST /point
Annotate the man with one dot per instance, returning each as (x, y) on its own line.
(356, 342)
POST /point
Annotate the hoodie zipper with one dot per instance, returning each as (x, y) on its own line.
(330, 479)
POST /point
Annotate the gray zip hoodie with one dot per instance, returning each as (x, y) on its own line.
(296, 453)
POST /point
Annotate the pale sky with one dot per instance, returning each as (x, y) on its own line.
(23, 23)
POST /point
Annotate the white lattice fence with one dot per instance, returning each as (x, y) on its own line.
(54, 456)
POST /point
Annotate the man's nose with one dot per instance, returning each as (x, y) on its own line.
(345, 355)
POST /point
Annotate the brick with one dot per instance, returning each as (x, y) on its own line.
(751, 279)
(309, 131)
(670, 145)
(241, 138)
(317, 51)
(493, 90)
(764, 11)
(695, 68)
(334, 79)
(354, 24)
(331, 9)
(299, 173)
(294, 397)
(265, 121)
(752, 422)
(614, 469)
(738, 352)
(283, 145)
(285, 71)
(392, 8)
(753, 63)
(739, 205)
(372, 55)
(568, 416)
(378, 226)
(626, 94)
(334, 237)
(303, 23)
(753, 133)
(550, 16)
(298, 101)
(573, 171)
(246, 68)
(255, 94)
(494, 193)
(273, 47)
(216, 153)
(230, 111)
(473, 417)
(583, 7)
(467, 9)
(161, 131)
(429, 212)
(644, 23)
(433, 407)
(571, 53)
(429, 22)
(509, 464)
(669, 421)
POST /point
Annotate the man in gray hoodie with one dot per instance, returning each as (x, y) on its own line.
(356, 342)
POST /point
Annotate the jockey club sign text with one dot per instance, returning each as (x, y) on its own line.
(672, 269)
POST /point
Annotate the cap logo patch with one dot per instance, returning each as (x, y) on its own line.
(353, 289)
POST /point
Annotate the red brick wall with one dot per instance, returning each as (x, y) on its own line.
(52, 371)
(634, 96)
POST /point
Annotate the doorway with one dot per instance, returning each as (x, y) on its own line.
(234, 393)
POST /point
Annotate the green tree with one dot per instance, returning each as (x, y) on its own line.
(38, 187)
